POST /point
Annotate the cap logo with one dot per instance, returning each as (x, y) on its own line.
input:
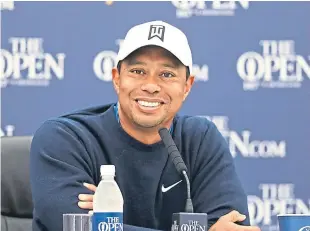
(157, 31)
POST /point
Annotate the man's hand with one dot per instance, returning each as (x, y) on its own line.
(86, 200)
(227, 223)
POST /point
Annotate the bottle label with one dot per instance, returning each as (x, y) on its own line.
(104, 221)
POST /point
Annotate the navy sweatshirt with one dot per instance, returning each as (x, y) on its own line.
(69, 150)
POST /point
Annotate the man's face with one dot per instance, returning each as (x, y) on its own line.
(151, 87)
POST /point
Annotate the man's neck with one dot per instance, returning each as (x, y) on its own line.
(144, 135)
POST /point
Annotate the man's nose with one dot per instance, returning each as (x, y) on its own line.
(151, 85)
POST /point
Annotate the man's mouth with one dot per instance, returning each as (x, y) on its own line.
(148, 103)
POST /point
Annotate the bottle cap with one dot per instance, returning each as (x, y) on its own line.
(107, 170)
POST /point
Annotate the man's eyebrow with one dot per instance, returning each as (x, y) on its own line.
(170, 65)
(131, 62)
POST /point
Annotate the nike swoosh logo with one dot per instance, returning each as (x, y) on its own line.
(163, 189)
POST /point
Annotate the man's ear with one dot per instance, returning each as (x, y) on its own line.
(116, 79)
(188, 87)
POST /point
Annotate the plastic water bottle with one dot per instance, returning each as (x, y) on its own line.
(107, 202)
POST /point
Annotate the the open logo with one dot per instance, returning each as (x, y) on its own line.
(306, 228)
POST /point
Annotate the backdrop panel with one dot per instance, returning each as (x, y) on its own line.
(252, 66)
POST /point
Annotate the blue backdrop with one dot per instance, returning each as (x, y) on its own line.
(252, 68)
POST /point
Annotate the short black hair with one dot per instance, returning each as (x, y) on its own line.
(136, 52)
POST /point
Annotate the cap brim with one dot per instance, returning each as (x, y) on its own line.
(121, 56)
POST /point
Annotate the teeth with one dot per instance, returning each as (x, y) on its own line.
(148, 104)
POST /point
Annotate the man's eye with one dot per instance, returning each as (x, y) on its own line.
(138, 72)
(167, 75)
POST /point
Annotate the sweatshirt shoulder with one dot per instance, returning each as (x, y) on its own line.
(199, 131)
(194, 125)
(80, 123)
(79, 118)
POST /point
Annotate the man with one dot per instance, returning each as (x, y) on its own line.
(152, 79)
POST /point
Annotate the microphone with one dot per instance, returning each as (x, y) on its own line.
(178, 162)
(188, 220)
(172, 150)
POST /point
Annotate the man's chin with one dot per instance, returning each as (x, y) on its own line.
(147, 123)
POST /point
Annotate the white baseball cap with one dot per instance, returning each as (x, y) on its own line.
(157, 33)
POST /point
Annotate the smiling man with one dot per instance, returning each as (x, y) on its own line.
(152, 79)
